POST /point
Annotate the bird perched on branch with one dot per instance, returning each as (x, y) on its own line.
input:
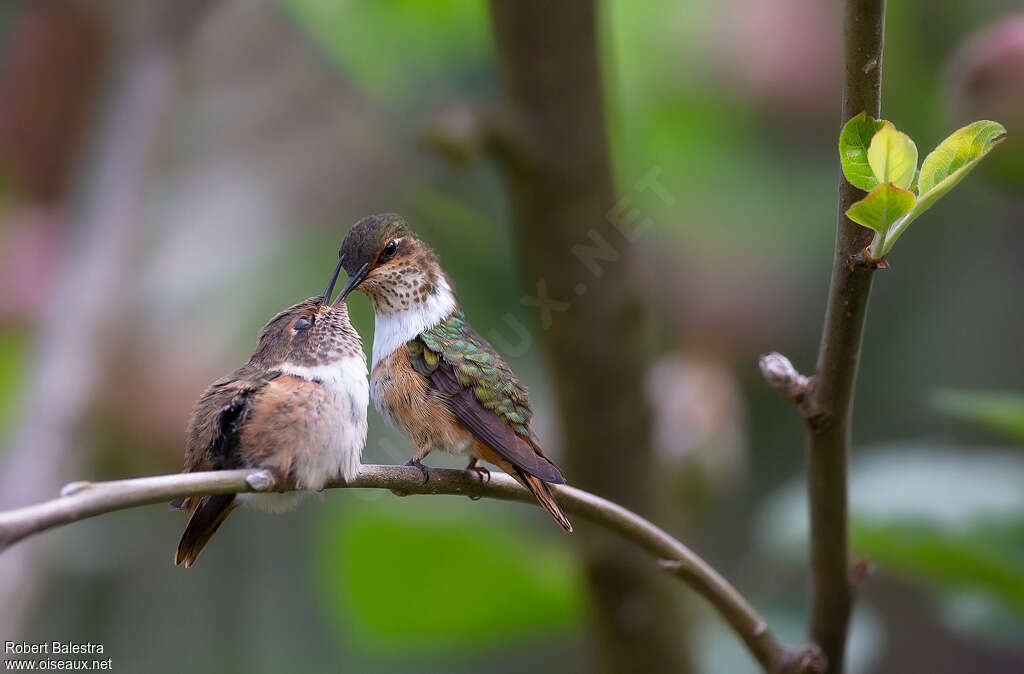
(433, 376)
(297, 409)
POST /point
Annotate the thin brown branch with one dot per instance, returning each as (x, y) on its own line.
(81, 500)
(828, 430)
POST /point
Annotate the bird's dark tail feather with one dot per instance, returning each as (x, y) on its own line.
(542, 493)
(207, 515)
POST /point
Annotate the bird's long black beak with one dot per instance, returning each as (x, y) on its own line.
(330, 286)
(353, 281)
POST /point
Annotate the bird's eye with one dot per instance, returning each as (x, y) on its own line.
(389, 250)
(301, 324)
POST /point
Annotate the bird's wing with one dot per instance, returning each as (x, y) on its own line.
(216, 417)
(482, 393)
(285, 416)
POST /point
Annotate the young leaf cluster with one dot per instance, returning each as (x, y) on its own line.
(882, 161)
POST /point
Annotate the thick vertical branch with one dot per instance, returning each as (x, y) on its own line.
(555, 151)
(832, 395)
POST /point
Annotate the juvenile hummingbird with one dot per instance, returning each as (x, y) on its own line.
(433, 376)
(296, 409)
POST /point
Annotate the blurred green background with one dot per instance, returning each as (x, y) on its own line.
(268, 128)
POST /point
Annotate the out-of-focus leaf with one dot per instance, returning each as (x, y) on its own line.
(950, 520)
(13, 354)
(892, 156)
(948, 489)
(949, 560)
(414, 580)
(1001, 413)
(980, 615)
(883, 206)
(854, 142)
(398, 49)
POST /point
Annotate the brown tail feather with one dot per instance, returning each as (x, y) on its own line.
(206, 517)
(542, 493)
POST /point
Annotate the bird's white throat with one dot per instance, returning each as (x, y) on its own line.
(393, 329)
(340, 374)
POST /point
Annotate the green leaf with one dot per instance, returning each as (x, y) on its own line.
(854, 142)
(892, 156)
(966, 560)
(883, 206)
(947, 165)
(1001, 413)
(390, 572)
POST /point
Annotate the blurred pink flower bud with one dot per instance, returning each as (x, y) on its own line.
(986, 81)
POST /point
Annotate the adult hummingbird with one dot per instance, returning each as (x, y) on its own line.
(432, 375)
(296, 409)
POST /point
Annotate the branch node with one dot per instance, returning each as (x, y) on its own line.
(862, 569)
(806, 659)
(261, 480)
(671, 566)
(72, 488)
(818, 420)
(863, 260)
(462, 132)
(780, 374)
(458, 132)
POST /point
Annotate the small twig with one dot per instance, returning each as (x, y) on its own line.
(81, 500)
(862, 569)
(780, 374)
(806, 659)
(458, 132)
(462, 133)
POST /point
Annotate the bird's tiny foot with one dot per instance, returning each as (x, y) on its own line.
(484, 473)
(423, 469)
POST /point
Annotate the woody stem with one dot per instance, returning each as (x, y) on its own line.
(82, 500)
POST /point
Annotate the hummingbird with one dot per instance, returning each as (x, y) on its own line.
(432, 375)
(297, 409)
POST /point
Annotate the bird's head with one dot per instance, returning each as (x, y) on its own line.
(313, 332)
(391, 265)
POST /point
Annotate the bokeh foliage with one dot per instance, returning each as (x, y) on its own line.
(442, 579)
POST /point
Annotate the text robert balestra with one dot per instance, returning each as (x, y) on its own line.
(51, 648)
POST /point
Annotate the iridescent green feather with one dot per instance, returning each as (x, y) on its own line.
(478, 366)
